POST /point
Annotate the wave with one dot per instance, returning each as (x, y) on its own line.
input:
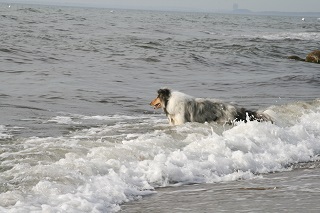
(128, 157)
(309, 36)
(30, 10)
(257, 36)
(4, 133)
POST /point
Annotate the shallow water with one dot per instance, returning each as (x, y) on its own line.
(77, 132)
(294, 191)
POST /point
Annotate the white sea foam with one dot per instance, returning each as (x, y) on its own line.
(63, 120)
(313, 36)
(4, 134)
(97, 169)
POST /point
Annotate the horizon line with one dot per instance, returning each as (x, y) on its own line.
(169, 9)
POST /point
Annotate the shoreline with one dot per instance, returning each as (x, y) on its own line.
(288, 191)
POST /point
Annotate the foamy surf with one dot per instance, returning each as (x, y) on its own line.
(4, 134)
(97, 169)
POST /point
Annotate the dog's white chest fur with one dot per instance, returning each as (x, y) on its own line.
(176, 107)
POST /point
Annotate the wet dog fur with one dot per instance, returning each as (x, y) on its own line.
(181, 108)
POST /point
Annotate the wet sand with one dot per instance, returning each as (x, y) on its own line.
(293, 191)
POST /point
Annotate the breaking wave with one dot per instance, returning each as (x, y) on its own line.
(99, 168)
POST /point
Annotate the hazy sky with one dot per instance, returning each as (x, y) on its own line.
(209, 5)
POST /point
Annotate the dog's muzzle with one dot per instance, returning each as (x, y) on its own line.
(156, 103)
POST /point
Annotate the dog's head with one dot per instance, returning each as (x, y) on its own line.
(162, 99)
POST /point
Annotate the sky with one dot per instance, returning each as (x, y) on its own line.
(193, 5)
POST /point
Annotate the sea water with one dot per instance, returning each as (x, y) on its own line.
(77, 133)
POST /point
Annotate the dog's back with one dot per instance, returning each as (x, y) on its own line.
(208, 110)
(205, 110)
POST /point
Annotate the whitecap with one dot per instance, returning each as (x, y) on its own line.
(4, 133)
(63, 120)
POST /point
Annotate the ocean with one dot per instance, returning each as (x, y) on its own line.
(77, 133)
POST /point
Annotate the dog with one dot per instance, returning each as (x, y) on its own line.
(181, 108)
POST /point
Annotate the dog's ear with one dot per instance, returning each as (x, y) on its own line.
(164, 93)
